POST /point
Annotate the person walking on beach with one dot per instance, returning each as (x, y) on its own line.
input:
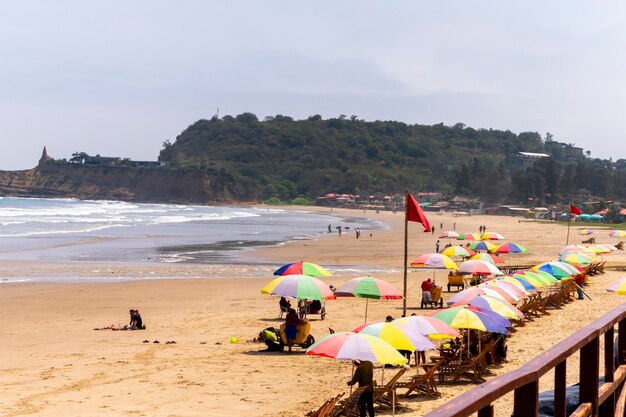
(357, 231)
(432, 229)
(329, 229)
(339, 230)
(437, 246)
(364, 375)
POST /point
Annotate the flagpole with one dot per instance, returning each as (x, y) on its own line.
(406, 256)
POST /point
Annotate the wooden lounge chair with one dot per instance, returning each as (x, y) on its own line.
(326, 410)
(590, 240)
(425, 383)
(385, 395)
(349, 406)
(620, 245)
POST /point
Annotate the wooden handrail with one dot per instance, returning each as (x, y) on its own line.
(525, 380)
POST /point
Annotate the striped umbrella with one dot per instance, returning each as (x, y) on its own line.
(535, 281)
(517, 292)
(586, 232)
(356, 346)
(368, 287)
(466, 318)
(510, 247)
(469, 236)
(491, 236)
(505, 294)
(482, 245)
(617, 233)
(576, 249)
(618, 287)
(525, 285)
(398, 337)
(558, 269)
(479, 268)
(300, 287)
(487, 257)
(449, 235)
(302, 268)
(578, 259)
(459, 251)
(435, 260)
(427, 326)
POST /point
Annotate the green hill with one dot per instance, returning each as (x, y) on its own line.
(285, 158)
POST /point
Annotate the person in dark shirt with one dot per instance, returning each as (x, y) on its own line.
(136, 323)
(364, 375)
(291, 327)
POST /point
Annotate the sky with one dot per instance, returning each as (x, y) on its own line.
(118, 78)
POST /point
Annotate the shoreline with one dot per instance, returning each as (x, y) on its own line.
(55, 363)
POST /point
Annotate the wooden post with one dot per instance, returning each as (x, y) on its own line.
(589, 374)
(526, 399)
(560, 384)
(486, 412)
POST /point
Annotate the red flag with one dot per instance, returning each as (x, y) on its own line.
(414, 212)
(574, 209)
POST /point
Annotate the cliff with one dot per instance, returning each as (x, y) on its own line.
(50, 179)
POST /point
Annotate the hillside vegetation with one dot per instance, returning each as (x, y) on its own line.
(284, 158)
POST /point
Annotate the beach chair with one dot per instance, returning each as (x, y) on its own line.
(386, 395)
(349, 406)
(590, 240)
(436, 300)
(425, 383)
(620, 245)
(456, 280)
(303, 339)
(326, 410)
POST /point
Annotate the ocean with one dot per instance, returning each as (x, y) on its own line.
(113, 231)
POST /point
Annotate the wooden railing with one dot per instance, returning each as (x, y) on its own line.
(525, 380)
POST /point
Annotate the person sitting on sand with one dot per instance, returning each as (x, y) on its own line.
(136, 323)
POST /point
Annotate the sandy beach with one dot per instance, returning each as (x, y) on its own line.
(54, 363)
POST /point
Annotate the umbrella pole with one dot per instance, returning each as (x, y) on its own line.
(382, 382)
(366, 303)
(352, 377)
(417, 364)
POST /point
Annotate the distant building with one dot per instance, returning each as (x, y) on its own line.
(529, 158)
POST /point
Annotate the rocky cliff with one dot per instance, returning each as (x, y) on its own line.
(53, 179)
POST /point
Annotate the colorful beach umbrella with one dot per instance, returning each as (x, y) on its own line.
(356, 346)
(491, 236)
(559, 270)
(516, 292)
(585, 232)
(618, 287)
(435, 260)
(368, 287)
(482, 245)
(398, 337)
(459, 251)
(469, 236)
(301, 287)
(578, 259)
(522, 283)
(449, 235)
(492, 315)
(501, 293)
(479, 268)
(465, 318)
(617, 233)
(427, 326)
(576, 249)
(535, 281)
(487, 257)
(510, 247)
(302, 268)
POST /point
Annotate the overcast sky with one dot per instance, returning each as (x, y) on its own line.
(117, 78)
